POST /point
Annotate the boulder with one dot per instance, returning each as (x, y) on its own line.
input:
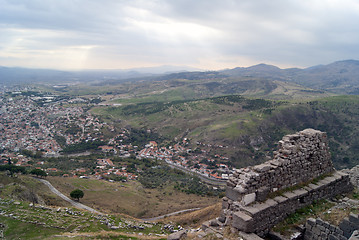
(177, 235)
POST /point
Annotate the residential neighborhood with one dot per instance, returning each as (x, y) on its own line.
(35, 127)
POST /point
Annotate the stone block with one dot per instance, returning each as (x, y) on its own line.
(177, 235)
(323, 235)
(248, 199)
(316, 231)
(280, 199)
(300, 192)
(320, 222)
(308, 235)
(248, 236)
(271, 203)
(243, 222)
(276, 163)
(240, 189)
(262, 193)
(251, 210)
(355, 235)
(311, 222)
(264, 167)
(232, 194)
(353, 218)
(313, 186)
(225, 203)
(341, 237)
(332, 237)
(290, 195)
(346, 227)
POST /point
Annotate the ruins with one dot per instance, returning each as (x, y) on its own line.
(300, 172)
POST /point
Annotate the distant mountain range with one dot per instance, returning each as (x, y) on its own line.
(18, 75)
(340, 77)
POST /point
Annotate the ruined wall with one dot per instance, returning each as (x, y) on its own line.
(260, 217)
(319, 229)
(301, 158)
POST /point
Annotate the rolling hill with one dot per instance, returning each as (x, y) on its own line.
(249, 128)
(339, 78)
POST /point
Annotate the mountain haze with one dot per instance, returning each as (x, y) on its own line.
(340, 77)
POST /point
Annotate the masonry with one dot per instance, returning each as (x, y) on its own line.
(319, 229)
(300, 172)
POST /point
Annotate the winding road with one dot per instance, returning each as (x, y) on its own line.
(73, 203)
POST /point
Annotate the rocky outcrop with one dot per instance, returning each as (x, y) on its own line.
(301, 171)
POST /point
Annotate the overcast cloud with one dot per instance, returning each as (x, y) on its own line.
(207, 34)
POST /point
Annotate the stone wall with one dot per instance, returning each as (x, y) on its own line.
(260, 217)
(319, 229)
(301, 158)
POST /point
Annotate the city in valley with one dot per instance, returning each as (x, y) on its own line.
(38, 128)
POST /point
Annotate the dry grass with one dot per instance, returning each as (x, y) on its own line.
(104, 235)
(335, 216)
(20, 187)
(196, 218)
(131, 198)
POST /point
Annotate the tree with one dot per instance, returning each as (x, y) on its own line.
(77, 194)
(11, 169)
(38, 172)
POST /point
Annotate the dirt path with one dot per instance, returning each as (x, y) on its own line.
(73, 203)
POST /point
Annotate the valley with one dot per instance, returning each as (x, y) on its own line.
(147, 147)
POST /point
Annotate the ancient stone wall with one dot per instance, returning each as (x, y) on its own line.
(260, 217)
(301, 159)
(319, 229)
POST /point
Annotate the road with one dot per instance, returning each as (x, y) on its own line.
(170, 214)
(82, 206)
(210, 181)
(73, 203)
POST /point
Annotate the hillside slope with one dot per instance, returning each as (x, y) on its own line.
(340, 77)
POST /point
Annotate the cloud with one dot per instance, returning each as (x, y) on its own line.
(204, 33)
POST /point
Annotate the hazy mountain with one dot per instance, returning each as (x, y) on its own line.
(260, 70)
(339, 77)
(18, 75)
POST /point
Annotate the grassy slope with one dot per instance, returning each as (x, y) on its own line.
(249, 129)
(196, 218)
(19, 188)
(18, 230)
(126, 198)
(112, 198)
(131, 198)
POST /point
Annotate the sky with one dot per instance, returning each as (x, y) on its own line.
(205, 34)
